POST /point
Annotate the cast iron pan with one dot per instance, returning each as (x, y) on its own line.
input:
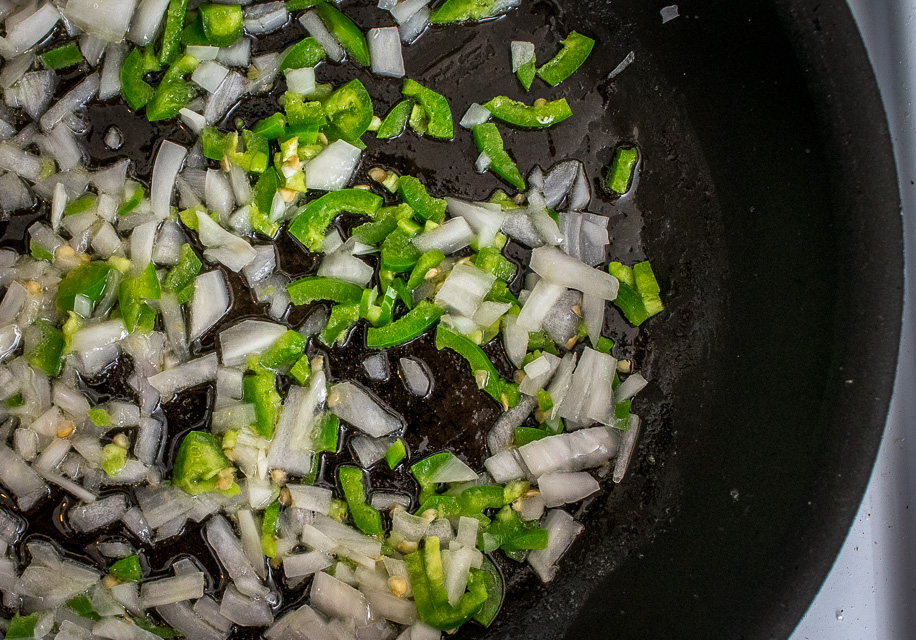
(767, 201)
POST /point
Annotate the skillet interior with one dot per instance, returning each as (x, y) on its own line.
(768, 205)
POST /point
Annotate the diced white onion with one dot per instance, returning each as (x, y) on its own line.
(209, 75)
(72, 100)
(300, 80)
(562, 530)
(110, 83)
(415, 25)
(146, 21)
(448, 237)
(226, 95)
(331, 169)
(561, 488)
(105, 19)
(627, 447)
(385, 49)
(356, 407)
(522, 54)
(247, 337)
(185, 375)
(156, 593)
(476, 114)
(561, 269)
(319, 31)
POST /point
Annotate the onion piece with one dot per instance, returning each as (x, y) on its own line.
(305, 564)
(561, 488)
(629, 388)
(370, 450)
(146, 21)
(464, 289)
(202, 53)
(453, 470)
(331, 169)
(339, 600)
(20, 162)
(20, 479)
(376, 366)
(522, 54)
(300, 80)
(627, 447)
(581, 192)
(32, 29)
(476, 114)
(209, 75)
(562, 530)
(226, 95)
(448, 237)
(502, 433)
(72, 100)
(539, 303)
(518, 225)
(415, 376)
(669, 13)
(165, 170)
(238, 54)
(316, 28)
(218, 194)
(156, 593)
(105, 19)
(229, 550)
(265, 18)
(311, 497)
(246, 338)
(557, 267)
(515, 340)
(35, 92)
(415, 25)
(346, 267)
(355, 406)
(540, 218)
(182, 618)
(385, 48)
(251, 541)
(504, 467)
(184, 376)
(558, 182)
(110, 83)
(98, 514)
(538, 373)
(209, 304)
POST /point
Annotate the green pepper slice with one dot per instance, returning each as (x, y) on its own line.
(490, 142)
(46, 353)
(395, 453)
(366, 519)
(341, 320)
(350, 37)
(427, 207)
(260, 389)
(287, 349)
(429, 260)
(262, 198)
(313, 288)
(489, 380)
(170, 48)
(180, 279)
(135, 89)
(405, 329)
(466, 10)
(436, 107)
(623, 166)
(174, 92)
(493, 581)
(201, 465)
(132, 294)
(349, 110)
(127, 569)
(523, 115)
(90, 280)
(222, 23)
(424, 568)
(394, 123)
(575, 51)
(638, 297)
(311, 224)
(305, 53)
(61, 57)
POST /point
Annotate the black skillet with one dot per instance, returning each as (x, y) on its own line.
(768, 203)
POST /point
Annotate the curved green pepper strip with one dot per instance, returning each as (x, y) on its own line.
(522, 115)
(310, 225)
(497, 388)
(305, 53)
(526, 73)
(414, 194)
(575, 51)
(132, 294)
(395, 453)
(313, 288)
(429, 260)
(171, 35)
(180, 279)
(493, 581)
(490, 142)
(89, 280)
(136, 91)
(342, 319)
(366, 519)
(436, 107)
(174, 92)
(46, 354)
(349, 110)
(127, 569)
(466, 10)
(287, 349)
(272, 127)
(638, 298)
(394, 123)
(406, 328)
(398, 253)
(620, 174)
(424, 568)
(260, 389)
(269, 529)
(350, 37)
(222, 23)
(61, 57)
(262, 198)
(200, 465)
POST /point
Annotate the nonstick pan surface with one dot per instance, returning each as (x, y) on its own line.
(767, 201)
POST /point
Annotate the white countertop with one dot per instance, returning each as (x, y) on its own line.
(870, 593)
